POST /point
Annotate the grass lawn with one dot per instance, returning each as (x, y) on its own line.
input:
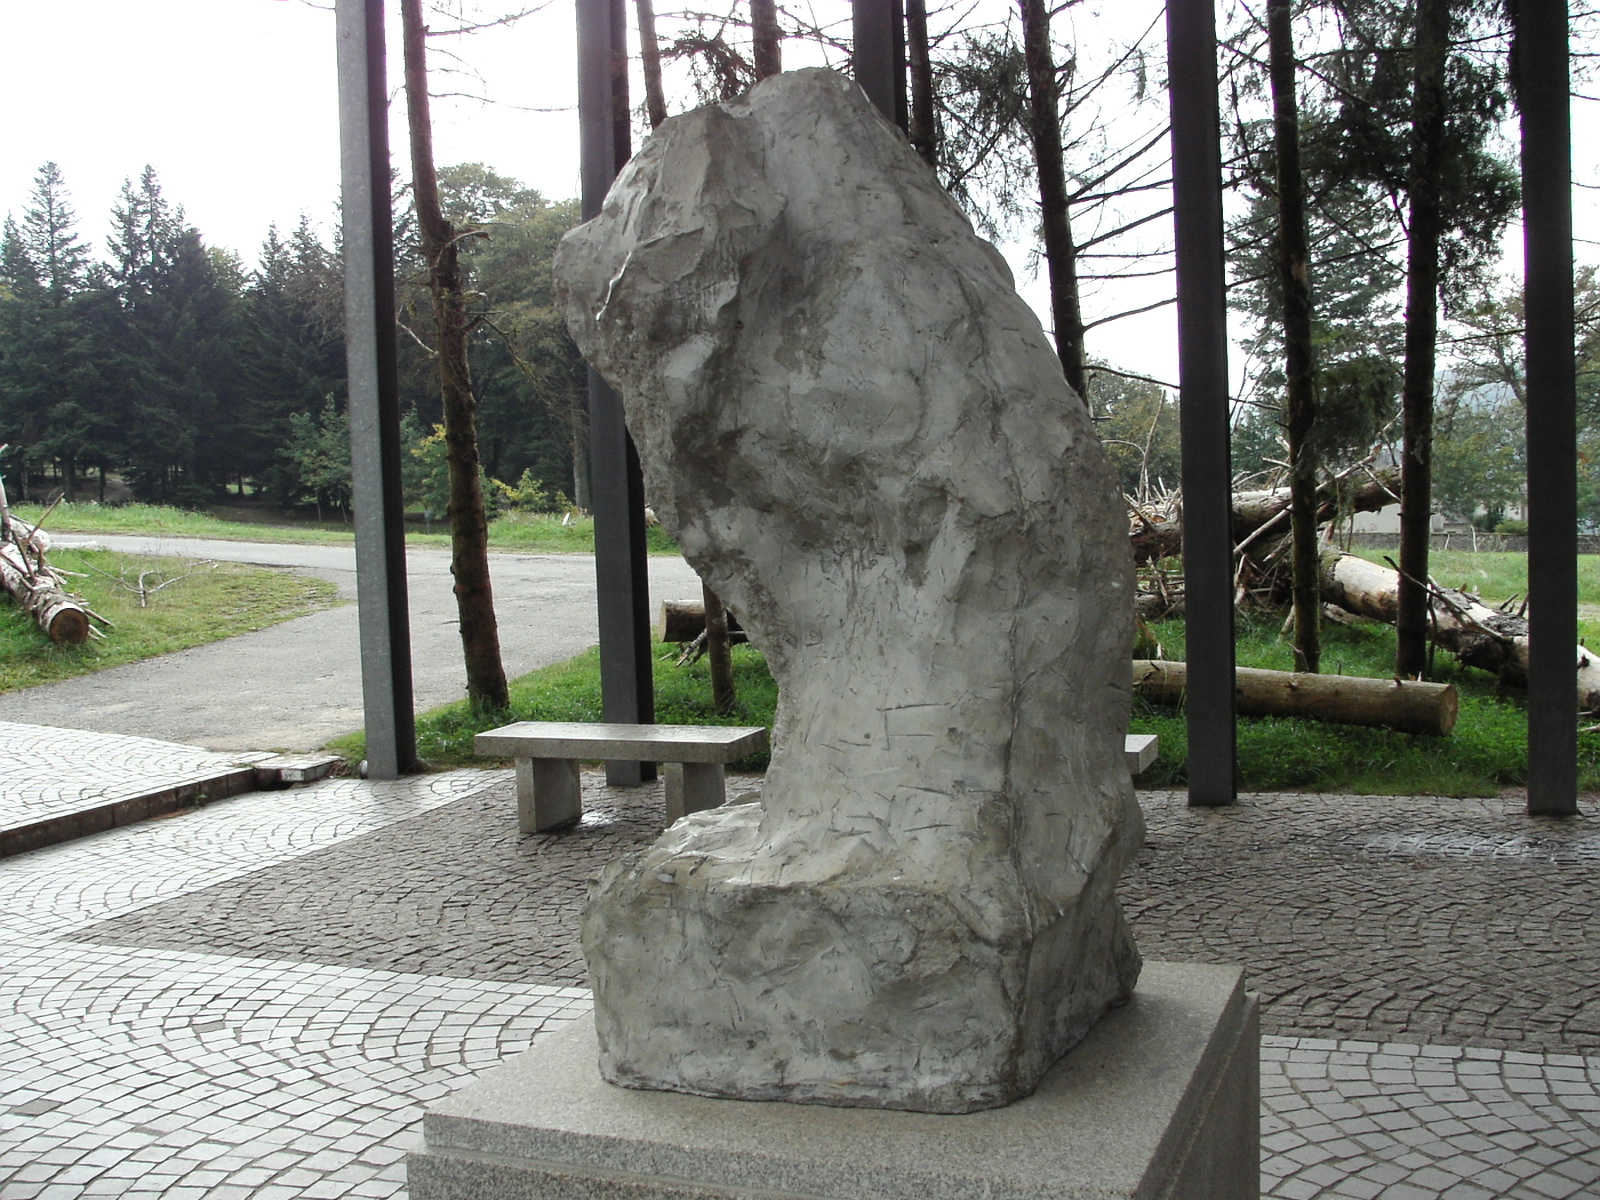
(1488, 750)
(213, 603)
(527, 533)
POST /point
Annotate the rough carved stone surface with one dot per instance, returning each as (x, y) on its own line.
(862, 440)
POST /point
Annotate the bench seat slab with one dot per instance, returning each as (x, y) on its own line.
(619, 743)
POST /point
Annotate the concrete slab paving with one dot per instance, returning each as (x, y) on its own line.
(173, 1023)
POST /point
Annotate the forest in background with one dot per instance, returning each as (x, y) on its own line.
(164, 362)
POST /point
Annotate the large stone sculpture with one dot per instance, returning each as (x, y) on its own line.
(862, 440)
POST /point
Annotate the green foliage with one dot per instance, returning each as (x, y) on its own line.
(1138, 423)
(318, 455)
(529, 379)
(214, 602)
(528, 495)
(427, 480)
(1257, 443)
(186, 374)
(1355, 141)
(1479, 454)
(427, 474)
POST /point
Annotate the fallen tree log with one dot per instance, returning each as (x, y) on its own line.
(35, 587)
(685, 620)
(1409, 707)
(1478, 635)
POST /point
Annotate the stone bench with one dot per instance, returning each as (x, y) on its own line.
(547, 755)
(1140, 750)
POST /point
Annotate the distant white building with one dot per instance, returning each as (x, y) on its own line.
(1387, 520)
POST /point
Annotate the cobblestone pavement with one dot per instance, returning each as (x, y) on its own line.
(1360, 1119)
(256, 998)
(455, 891)
(144, 1072)
(1389, 918)
(47, 772)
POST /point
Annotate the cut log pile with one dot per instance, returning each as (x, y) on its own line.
(34, 584)
(1490, 639)
(685, 620)
(1261, 518)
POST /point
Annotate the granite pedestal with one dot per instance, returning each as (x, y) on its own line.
(1159, 1102)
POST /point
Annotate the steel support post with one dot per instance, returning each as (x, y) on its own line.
(878, 55)
(374, 394)
(1203, 400)
(1543, 86)
(617, 485)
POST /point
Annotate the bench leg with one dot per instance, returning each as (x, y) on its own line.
(693, 787)
(548, 793)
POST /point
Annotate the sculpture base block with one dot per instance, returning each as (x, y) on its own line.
(1160, 1101)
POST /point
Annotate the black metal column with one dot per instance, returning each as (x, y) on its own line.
(1542, 85)
(617, 485)
(878, 54)
(374, 399)
(1203, 400)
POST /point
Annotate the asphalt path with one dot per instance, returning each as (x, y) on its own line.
(297, 684)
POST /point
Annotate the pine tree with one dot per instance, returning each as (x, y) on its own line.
(291, 353)
(179, 305)
(50, 236)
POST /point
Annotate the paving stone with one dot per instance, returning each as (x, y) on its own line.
(259, 997)
(457, 892)
(1396, 921)
(108, 1025)
(60, 783)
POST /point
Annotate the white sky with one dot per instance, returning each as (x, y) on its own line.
(233, 102)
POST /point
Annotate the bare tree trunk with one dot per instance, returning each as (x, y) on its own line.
(577, 424)
(924, 131)
(1422, 323)
(766, 38)
(1294, 276)
(655, 99)
(723, 696)
(469, 528)
(1060, 254)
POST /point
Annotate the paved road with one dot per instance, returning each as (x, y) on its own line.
(295, 685)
